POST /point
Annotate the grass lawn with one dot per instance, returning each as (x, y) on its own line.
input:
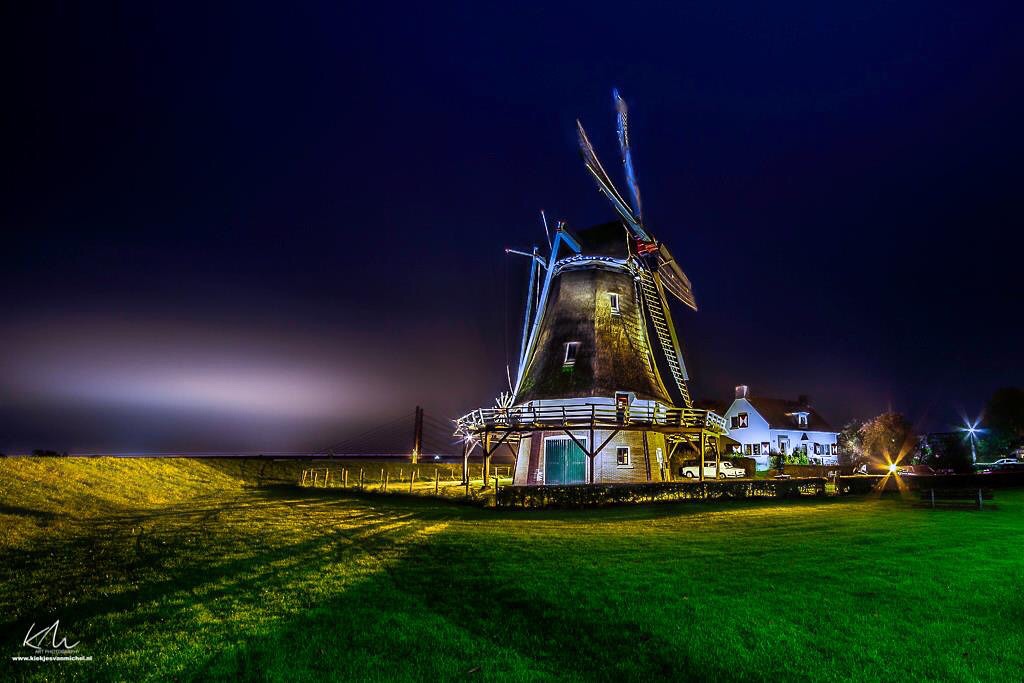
(184, 570)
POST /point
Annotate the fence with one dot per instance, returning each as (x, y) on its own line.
(420, 479)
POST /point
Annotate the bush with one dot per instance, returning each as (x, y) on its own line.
(47, 453)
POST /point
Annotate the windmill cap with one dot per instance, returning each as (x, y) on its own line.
(742, 391)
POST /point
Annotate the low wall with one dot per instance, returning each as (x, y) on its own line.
(595, 495)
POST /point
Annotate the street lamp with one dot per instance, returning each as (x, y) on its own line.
(972, 432)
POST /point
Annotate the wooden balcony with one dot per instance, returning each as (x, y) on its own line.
(655, 418)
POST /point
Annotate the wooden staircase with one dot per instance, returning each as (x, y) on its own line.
(659, 321)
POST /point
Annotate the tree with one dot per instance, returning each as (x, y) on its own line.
(888, 438)
(851, 447)
(945, 452)
(1003, 424)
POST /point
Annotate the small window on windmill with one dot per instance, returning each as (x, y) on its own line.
(571, 349)
(614, 299)
(742, 421)
(622, 456)
(801, 419)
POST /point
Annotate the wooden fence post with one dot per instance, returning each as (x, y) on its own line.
(386, 476)
(360, 478)
(437, 480)
(401, 473)
(412, 480)
(344, 478)
(303, 483)
(327, 475)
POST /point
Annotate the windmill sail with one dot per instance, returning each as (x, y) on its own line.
(627, 157)
(605, 184)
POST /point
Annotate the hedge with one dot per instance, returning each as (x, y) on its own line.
(594, 495)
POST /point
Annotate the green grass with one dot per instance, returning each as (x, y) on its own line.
(186, 570)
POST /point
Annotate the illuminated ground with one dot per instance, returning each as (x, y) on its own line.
(177, 569)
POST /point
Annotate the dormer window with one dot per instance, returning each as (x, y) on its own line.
(571, 349)
(614, 300)
(801, 419)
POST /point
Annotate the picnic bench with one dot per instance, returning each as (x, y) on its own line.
(958, 497)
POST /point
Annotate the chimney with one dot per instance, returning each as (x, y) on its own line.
(804, 400)
(742, 391)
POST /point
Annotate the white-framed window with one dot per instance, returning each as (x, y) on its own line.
(739, 421)
(801, 419)
(571, 349)
(748, 449)
(622, 456)
(613, 298)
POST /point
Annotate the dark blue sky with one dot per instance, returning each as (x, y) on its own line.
(235, 227)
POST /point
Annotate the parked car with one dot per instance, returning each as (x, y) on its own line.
(726, 471)
(1006, 461)
(916, 471)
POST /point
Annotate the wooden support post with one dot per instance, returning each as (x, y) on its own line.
(381, 474)
(386, 475)
(401, 473)
(647, 457)
(303, 483)
(592, 449)
(718, 461)
(344, 478)
(980, 504)
(495, 484)
(327, 475)
(412, 480)
(360, 478)
(467, 487)
(437, 481)
(703, 445)
(486, 459)
(316, 477)
(465, 465)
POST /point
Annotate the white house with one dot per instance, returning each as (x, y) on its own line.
(763, 426)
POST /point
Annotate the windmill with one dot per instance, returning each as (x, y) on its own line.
(600, 392)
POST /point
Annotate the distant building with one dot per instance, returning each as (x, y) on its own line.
(762, 426)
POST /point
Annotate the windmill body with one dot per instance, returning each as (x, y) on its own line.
(601, 392)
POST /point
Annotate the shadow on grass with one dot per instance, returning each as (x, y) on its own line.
(438, 613)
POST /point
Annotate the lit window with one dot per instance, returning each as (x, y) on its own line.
(741, 421)
(748, 449)
(571, 349)
(614, 299)
(801, 419)
(757, 449)
(622, 455)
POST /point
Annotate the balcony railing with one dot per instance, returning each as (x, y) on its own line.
(527, 418)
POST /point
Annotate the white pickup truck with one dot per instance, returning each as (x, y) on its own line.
(727, 471)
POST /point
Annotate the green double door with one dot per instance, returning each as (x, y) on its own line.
(564, 462)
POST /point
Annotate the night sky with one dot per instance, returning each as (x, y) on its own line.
(241, 228)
